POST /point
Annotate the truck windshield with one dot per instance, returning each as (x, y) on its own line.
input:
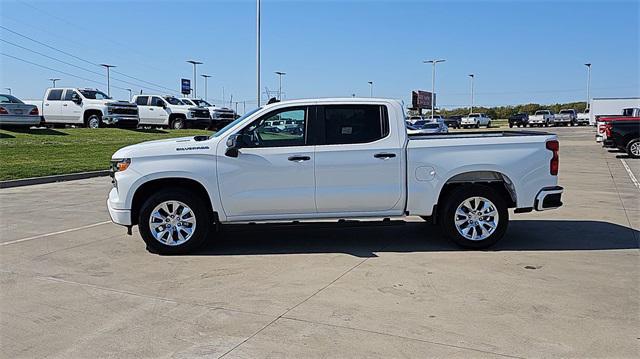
(94, 95)
(174, 101)
(238, 120)
(202, 103)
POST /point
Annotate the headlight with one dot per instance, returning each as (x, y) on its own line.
(119, 165)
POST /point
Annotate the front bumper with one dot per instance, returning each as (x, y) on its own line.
(549, 198)
(119, 216)
(119, 120)
(199, 122)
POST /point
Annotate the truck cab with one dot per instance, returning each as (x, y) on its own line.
(169, 111)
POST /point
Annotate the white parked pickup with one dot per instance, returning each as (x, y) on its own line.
(349, 158)
(84, 107)
(542, 118)
(168, 111)
(475, 120)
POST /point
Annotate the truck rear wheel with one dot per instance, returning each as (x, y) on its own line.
(177, 123)
(474, 216)
(174, 222)
(633, 148)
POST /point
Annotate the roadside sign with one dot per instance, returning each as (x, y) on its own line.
(421, 99)
(185, 85)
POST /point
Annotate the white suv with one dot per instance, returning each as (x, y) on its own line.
(157, 110)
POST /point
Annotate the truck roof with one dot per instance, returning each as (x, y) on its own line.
(336, 100)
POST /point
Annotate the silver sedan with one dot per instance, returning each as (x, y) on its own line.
(14, 112)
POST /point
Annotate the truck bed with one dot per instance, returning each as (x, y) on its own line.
(484, 134)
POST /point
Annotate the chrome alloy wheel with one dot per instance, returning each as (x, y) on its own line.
(635, 148)
(172, 223)
(476, 218)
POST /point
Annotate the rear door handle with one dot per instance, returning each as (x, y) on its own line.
(299, 158)
(384, 156)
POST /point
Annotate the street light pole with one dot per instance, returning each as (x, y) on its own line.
(206, 79)
(54, 81)
(433, 83)
(106, 66)
(8, 88)
(472, 78)
(195, 87)
(588, 84)
(258, 51)
(370, 88)
(129, 94)
(280, 73)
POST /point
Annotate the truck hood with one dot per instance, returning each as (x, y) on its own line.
(172, 146)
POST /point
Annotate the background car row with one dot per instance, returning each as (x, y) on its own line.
(93, 108)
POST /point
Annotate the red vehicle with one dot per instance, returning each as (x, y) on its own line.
(627, 114)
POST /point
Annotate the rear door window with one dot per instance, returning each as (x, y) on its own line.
(55, 95)
(344, 124)
(142, 100)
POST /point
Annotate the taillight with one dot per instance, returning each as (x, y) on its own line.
(554, 146)
(607, 129)
(34, 112)
(3, 111)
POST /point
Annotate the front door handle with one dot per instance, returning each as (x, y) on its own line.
(299, 158)
(384, 156)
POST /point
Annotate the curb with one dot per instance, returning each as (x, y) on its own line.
(52, 179)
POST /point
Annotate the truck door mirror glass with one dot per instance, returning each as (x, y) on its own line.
(75, 98)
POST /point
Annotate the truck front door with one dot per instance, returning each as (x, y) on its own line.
(358, 162)
(71, 112)
(273, 172)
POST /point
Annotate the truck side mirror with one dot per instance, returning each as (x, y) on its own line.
(76, 99)
(236, 142)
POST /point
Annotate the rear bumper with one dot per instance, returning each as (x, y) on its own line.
(549, 198)
(18, 120)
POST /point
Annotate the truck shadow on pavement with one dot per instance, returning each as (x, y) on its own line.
(365, 240)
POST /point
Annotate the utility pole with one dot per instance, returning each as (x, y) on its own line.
(222, 96)
(231, 101)
(433, 83)
(588, 85)
(258, 51)
(472, 76)
(106, 66)
(206, 79)
(53, 80)
(195, 87)
(370, 88)
(244, 107)
(8, 88)
(129, 94)
(280, 73)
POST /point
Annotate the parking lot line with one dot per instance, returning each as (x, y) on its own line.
(631, 175)
(53, 233)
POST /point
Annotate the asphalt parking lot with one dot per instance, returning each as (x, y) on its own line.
(561, 283)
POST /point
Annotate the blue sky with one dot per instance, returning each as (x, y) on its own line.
(520, 51)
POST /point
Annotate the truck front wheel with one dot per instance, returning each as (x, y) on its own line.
(174, 222)
(93, 121)
(474, 216)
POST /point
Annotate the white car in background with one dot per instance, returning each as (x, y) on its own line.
(475, 120)
(427, 127)
(14, 112)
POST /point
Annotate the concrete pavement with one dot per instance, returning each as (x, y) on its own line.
(561, 283)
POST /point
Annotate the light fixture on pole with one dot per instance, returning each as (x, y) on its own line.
(8, 88)
(195, 87)
(370, 88)
(107, 66)
(588, 84)
(433, 83)
(258, 51)
(206, 79)
(53, 80)
(472, 76)
(280, 74)
(129, 94)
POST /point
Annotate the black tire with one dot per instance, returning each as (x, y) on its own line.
(204, 222)
(177, 123)
(633, 146)
(477, 125)
(456, 198)
(511, 125)
(489, 124)
(93, 121)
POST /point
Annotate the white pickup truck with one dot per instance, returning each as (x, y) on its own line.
(566, 117)
(542, 118)
(168, 111)
(475, 120)
(352, 158)
(84, 107)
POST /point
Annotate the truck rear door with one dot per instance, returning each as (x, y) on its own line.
(358, 165)
(52, 106)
